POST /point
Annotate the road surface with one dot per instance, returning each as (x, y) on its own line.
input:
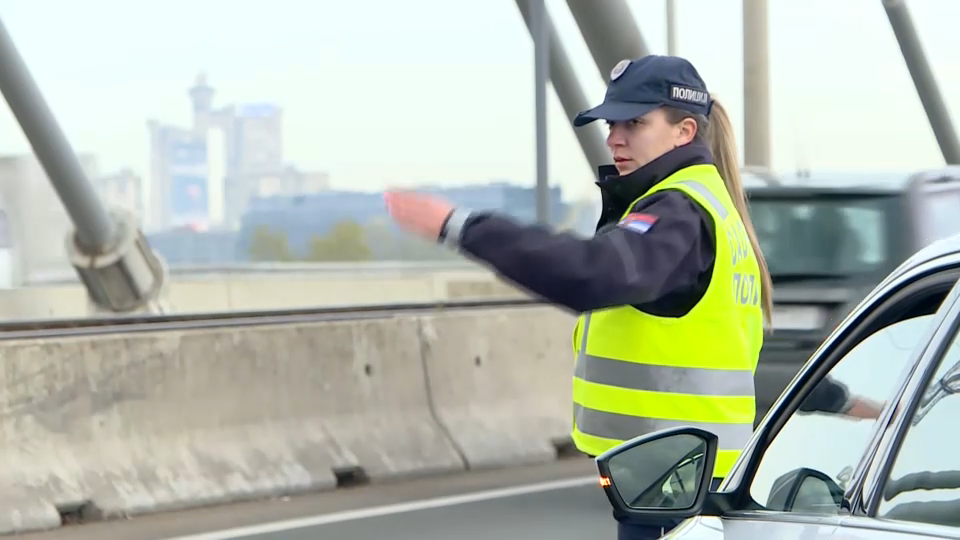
(558, 501)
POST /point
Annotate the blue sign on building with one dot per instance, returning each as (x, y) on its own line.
(256, 110)
(189, 182)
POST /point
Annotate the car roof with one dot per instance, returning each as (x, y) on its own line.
(949, 245)
(760, 183)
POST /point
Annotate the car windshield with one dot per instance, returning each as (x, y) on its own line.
(832, 237)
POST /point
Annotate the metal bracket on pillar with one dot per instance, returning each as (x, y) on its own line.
(112, 258)
(923, 79)
(128, 278)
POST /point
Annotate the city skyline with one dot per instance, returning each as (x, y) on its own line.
(464, 112)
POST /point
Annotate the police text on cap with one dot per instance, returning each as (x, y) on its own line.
(682, 93)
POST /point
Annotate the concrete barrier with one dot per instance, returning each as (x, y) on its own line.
(244, 293)
(124, 425)
(500, 382)
(463, 289)
(128, 424)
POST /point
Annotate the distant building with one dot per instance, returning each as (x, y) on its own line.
(242, 188)
(37, 222)
(187, 247)
(300, 218)
(517, 201)
(123, 189)
(253, 164)
(253, 153)
(180, 182)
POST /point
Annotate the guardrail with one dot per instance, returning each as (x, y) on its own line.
(68, 275)
(44, 328)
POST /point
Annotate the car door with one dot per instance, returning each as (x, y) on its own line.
(822, 431)
(912, 486)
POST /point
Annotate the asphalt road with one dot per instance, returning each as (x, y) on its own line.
(558, 501)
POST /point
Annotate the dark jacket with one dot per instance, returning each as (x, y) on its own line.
(663, 270)
(662, 267)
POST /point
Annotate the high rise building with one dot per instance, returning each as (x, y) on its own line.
(180, 183)
(252, 155)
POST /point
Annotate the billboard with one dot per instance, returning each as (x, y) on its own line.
(189, 183)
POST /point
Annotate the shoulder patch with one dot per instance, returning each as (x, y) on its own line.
(638, 222)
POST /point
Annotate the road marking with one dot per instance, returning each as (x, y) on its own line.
(386, 510)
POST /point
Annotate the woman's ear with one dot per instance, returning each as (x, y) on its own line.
(687, 132)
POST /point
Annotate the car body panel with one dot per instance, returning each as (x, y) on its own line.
(863, 528)
(940, 256)
(713, 528)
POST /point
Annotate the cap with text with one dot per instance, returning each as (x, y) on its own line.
(642, 85)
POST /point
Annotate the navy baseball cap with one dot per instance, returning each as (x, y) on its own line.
(642, 85)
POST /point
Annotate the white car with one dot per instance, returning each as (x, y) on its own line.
(831, 476)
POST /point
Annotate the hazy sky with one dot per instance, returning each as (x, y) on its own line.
(387, 92)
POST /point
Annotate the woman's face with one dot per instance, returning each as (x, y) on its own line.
(636, 142)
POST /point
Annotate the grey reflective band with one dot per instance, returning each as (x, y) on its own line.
(652, 378)
(712, 199)
(582, 351)
(635, 376)
(622, 427)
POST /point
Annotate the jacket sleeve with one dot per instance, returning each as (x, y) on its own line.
(828, 396)
(626, 263)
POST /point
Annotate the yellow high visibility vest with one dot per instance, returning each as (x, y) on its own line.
(637, 373)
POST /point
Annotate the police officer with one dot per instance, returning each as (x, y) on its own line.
(672, 289)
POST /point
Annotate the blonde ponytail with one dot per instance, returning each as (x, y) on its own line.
(726, 157)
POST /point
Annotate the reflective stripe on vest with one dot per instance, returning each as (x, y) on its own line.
(636, 373)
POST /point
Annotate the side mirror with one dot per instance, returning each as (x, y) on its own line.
(665, 474)
(805, 490)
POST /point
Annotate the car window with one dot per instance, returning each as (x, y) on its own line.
(924, 481)
(828, 236)
(823, 442)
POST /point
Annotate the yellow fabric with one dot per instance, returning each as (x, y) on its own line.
(723, 331)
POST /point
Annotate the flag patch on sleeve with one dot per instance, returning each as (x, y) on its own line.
(637, 222)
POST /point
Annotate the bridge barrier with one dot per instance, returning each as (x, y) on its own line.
(500, 382)
(272, 292)
(125, 424)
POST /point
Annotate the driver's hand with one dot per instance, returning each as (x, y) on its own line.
(864, 408)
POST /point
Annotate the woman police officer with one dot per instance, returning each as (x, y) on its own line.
(672, 289)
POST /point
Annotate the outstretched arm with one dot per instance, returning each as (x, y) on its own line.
(832, 397)
(634, 261)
